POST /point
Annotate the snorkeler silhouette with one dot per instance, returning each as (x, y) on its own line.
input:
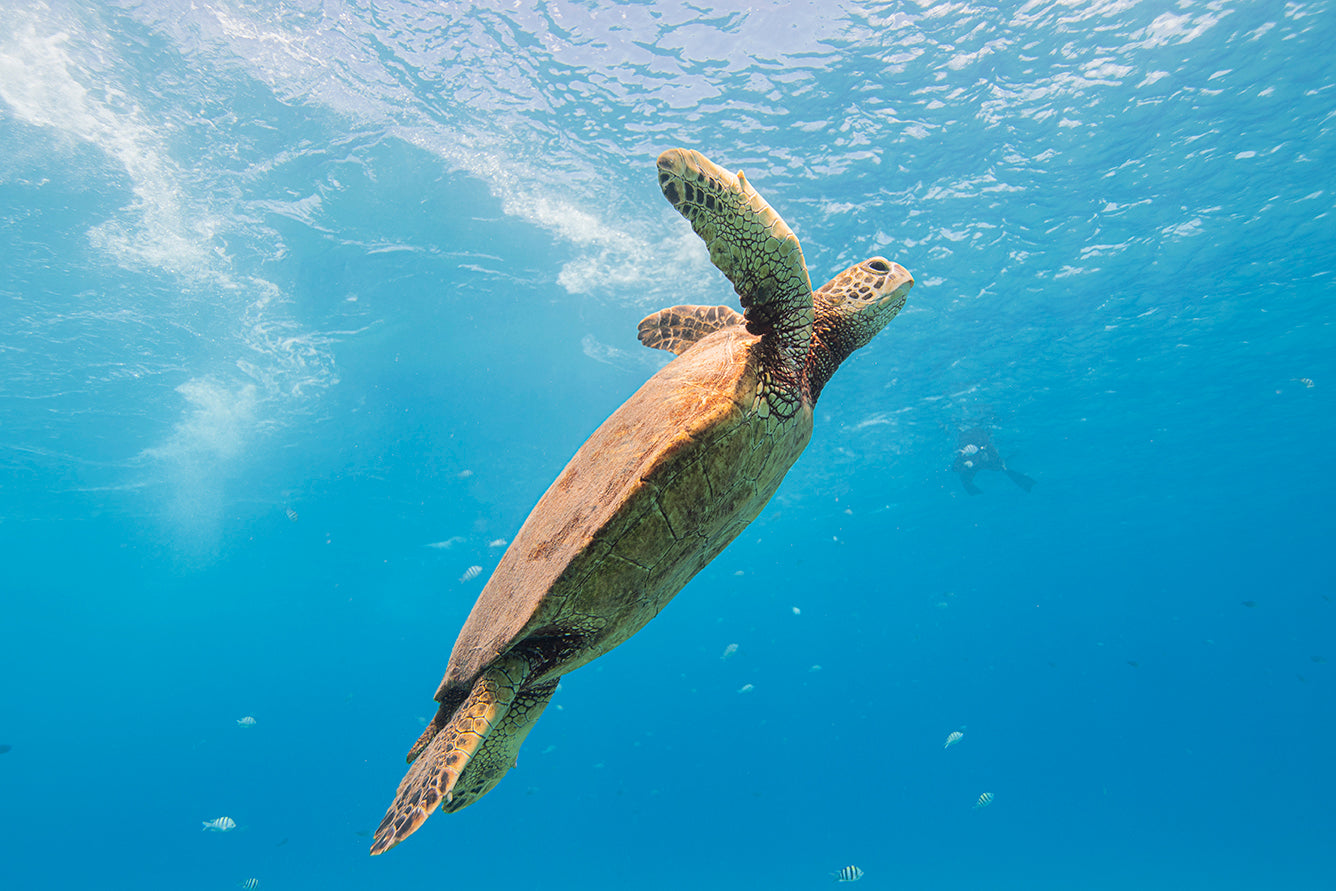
(976, 452)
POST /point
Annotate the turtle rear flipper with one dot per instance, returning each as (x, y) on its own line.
(749, 243)
(499, 750)
(470, 754)
(677, 328)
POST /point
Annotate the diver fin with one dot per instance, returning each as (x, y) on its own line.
(1021, 480)
(967, 480)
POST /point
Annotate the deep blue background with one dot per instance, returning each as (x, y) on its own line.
(382, 267)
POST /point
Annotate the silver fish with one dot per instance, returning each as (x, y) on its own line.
(470, 574)
(849, 874)
(247, 721)
(984, 800)
(291, 514)
(222, 824)
(952, 738)
(729, 650)
(249, 884)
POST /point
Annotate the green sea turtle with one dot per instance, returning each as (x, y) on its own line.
(656, 492)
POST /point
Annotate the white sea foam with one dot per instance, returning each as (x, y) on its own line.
(60, 73)
(215, 426)
(628, 259)
(195, 460)
(337, 57)
(1185, 229)
(38, 82)
(1170, 28)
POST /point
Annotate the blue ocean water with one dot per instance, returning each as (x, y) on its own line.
(304, 304)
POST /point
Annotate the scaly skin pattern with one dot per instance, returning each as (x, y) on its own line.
(655, 493)
(448, 754)
(677, 328)
(761, 256)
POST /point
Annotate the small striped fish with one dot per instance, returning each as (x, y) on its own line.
(470, 574)
(249, 884)
(291, 514)
(952, 738)
(984, 800)
(222, 824)
(247, 721)
(849, 874)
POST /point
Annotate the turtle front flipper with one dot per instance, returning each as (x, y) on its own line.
(677, 328)
(749, 243)
(470, 754)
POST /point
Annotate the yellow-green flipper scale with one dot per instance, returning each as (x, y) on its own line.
(754, 247)
(457, 763)
(677, 328)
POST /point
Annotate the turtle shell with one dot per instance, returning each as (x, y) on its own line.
(659, 489)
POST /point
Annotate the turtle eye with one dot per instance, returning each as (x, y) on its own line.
(878, 266)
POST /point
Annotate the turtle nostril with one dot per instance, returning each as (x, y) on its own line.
(878, 266)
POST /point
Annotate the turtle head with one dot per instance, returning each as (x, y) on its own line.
(850, 310)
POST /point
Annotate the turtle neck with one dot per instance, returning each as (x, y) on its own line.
(834, 338)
